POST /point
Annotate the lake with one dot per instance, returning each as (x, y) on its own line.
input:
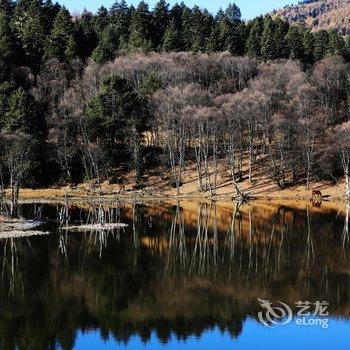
(180, 276)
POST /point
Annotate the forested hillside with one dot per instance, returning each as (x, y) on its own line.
(319, 14)
(132, 90)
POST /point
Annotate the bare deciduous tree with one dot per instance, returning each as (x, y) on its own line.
(16, 159)
(342, 140)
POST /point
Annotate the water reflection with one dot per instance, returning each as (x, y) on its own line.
(11, 273)
(345, 239)
(178, 270)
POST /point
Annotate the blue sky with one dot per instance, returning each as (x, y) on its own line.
(250, 8)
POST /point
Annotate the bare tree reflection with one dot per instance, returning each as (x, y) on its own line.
(201, 255)
(309, 254)
(250, 248)
(11, 270)
(345, 235)
(97, 225)
(230, 238)
(177, 251)
(62, 244)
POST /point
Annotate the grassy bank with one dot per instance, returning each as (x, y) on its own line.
(157, 188)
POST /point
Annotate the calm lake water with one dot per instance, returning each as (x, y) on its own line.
(180, 276)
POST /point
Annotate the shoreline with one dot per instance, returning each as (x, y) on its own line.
(191, 202)
(52, 195)
(156, 188)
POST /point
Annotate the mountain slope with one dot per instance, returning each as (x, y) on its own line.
(319, 14)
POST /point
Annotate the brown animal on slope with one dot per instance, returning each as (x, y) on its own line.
(316, 194)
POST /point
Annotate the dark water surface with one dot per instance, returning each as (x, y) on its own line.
(180, 276)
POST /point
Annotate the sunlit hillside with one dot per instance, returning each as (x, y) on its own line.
(321, 14)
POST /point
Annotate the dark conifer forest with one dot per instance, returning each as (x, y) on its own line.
(139, 90)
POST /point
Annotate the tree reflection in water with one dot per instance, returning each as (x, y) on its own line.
(11, 274)
(177, 270)
(345, 238)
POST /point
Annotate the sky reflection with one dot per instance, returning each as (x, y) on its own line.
(254, 336)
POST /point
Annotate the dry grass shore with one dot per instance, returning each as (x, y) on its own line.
(157, 188)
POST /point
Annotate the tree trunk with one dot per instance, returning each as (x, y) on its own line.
(250, 161)
(14, 198)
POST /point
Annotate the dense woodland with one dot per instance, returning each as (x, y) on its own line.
(93, 96)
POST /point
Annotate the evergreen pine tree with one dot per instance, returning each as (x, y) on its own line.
(321, 40)
(7, 7)
(49, 12)
(160, 22)
(233, 13)
(308, 44)
(6, 89)
(7, 49)
(140, 28)
(71, 50)
(86, 36)
(114, 115)
(107, 47)
(21, 113)
(347, 48)
(225, 35)
(268, 44)
(120, 16)
(101, 21)
(214, 44)
(281, 31)
(220, 15)
(201, 27)
(119, 7)
(171, 40)
(62, 32)
(176, 13)
(236, 39)
(150, 85)
(196, 29)
(27, 26)
(186, 29)
(253, 48)
(336, 44)
(295, 42)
